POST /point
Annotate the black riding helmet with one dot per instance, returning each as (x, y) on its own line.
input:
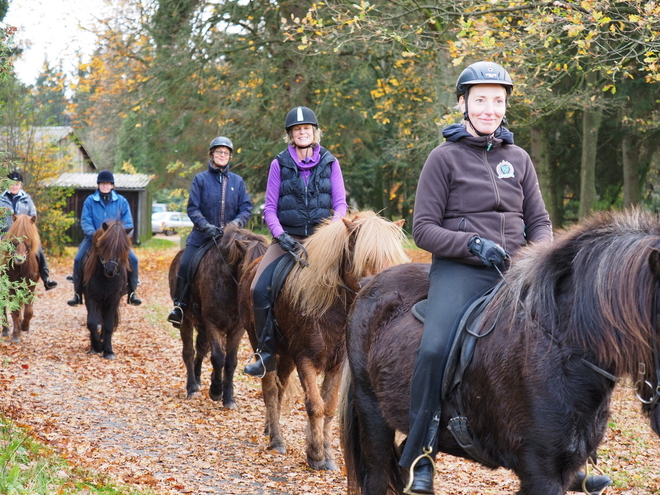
(15, 176)
(300, 116)
(483, 72)
(105, 176)
(221, 141)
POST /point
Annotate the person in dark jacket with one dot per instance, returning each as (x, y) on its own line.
(15, 201)
(103, 205)
(477, 201)
(305, 186)
(217, 198)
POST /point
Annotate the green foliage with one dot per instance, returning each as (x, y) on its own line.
(53, 221)
(28, 467)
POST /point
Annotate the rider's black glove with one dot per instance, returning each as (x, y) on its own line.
(287, 243)
(489, 252)
(212, 230)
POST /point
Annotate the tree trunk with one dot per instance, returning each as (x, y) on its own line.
(591, 125)
(552, 195)
(632, 189)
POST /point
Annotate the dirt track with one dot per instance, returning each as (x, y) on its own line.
(129, 417)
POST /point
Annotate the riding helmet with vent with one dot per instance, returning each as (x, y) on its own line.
(15, 176)
(483, 73)
(300, 116)
(221, 141)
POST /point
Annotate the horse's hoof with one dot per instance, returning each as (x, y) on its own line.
(279, 448)
(215, 397)
(330, 465)
(16, 340)
(192, 395)
(319, 465)
(5, 333)
(229, 405)
(109, 355)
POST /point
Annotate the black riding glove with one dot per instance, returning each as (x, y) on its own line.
(286, 242)
(212, 230)
(489, 252)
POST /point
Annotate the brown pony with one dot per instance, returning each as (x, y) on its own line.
(105, 276)
(22, 269)
(213, 311)
(311, 313)
(571, 317)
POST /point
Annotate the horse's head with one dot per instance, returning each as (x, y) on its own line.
(112, 244)
(24, 237)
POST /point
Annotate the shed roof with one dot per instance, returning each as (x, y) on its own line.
(88, 181)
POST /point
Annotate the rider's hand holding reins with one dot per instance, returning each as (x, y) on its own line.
(289, 244)
(212, 230)
(490, 253)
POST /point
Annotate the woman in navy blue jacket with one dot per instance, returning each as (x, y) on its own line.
(218, 197)
(103, 205)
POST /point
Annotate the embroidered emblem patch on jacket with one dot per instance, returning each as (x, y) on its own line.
(505, 170)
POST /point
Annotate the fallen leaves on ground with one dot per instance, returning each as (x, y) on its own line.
(129, 417)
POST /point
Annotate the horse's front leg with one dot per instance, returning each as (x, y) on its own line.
(330, 395)
(28, 312)
(201, 350)
(217, 360)
(315, 414)
(188, 355)
(234, 336)
(16, 323)
(94, 327)
(110, 322)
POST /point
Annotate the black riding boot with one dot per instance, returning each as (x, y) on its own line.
(180, 302)
(77, 289)
(422, 479)
(43, 270)
(265, 353)
(133, 299)
(594, 485)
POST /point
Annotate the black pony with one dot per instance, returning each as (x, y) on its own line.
(105, 276)
(570, 318)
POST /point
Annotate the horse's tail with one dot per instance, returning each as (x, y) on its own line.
(350, 435)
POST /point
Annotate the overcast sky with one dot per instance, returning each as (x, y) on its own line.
(56, 29)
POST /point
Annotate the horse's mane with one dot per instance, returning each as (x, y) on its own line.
(110, 242)
(244, 246)
(593, 288)
(24, 229)
(359, 245)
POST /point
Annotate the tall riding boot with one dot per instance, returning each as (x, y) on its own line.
(77, 289)
(133, 299)
(265, 353)
(180, 302)
(43, 270)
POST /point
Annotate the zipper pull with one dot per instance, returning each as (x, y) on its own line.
(490, 142)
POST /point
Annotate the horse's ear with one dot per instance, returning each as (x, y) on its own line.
(128, 232)
(654, 262)
(349, 224)
(33, 219)
(399, 223)
(13, 217)
(104, 226)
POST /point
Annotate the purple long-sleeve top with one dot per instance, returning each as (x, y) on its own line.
(305, 166)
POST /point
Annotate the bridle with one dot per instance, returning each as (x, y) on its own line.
(110, 266)
(641, 383)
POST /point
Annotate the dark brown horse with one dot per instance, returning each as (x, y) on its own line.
(311, 313)
(22, 269)
(105, 275)
(570, 318)
(213, 311)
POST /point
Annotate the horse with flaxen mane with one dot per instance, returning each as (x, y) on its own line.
(570, 318)
(310, 313)
(213, 311)
(23, 273)
(105, 278)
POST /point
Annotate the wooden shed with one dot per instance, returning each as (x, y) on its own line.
(132, 186)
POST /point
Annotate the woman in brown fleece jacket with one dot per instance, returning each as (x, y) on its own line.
(477, 200)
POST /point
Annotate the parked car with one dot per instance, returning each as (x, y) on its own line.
(169, 222)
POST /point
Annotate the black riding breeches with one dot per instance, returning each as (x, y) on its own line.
(452, 285)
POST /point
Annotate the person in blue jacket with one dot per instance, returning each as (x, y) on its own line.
(15, 201)
(103, 205)
(217, 198)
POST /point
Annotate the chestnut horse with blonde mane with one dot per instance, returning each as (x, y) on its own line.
(22, 268)
(310, 314)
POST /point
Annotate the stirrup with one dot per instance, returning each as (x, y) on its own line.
(263, 365)
(427, 454)
(170, 319)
